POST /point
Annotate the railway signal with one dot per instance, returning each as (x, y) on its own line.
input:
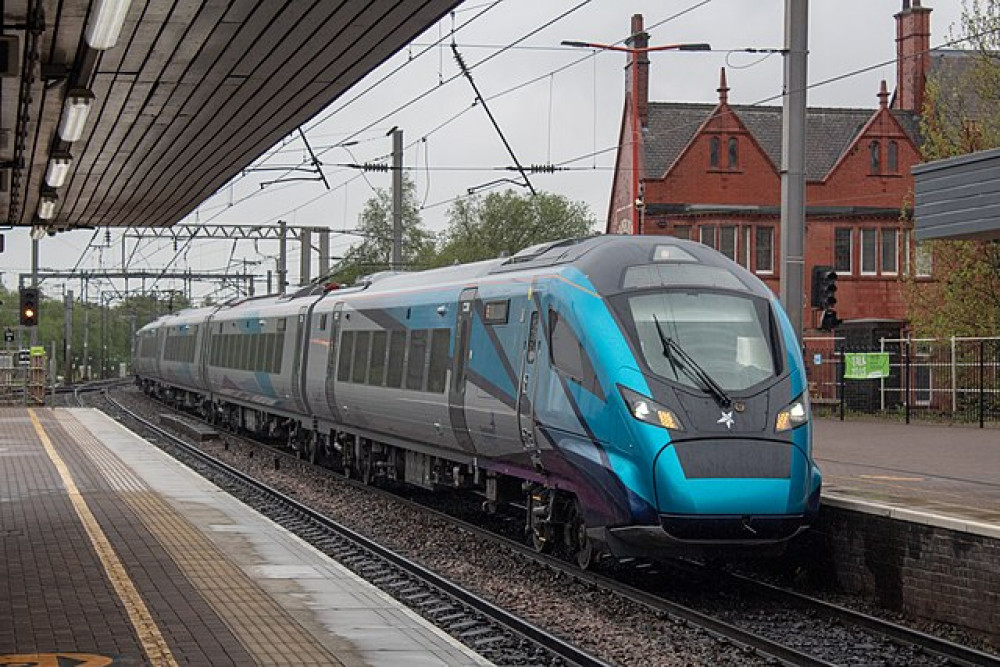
(29, 306)
(823, 295)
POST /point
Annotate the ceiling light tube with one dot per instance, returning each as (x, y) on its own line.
(105, 23)
(59, 165)
(47, 207)
(74, 116)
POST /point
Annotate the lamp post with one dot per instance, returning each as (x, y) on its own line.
(635, 52)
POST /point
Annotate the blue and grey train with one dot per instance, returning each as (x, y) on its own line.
(637, 396)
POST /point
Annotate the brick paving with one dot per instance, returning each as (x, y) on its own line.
(55, 596)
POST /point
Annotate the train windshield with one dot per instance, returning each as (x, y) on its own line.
(727, 335)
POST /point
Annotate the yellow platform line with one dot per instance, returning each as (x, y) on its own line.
(153, 643)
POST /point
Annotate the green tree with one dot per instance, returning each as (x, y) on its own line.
(506, 222)
(374, 252)
(961, 114)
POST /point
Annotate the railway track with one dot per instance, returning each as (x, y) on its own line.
(498, 635)
(744, 625)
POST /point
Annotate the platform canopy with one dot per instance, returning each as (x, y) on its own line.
(959, 198)
(137, 128)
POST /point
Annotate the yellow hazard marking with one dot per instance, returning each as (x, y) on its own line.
(149, 634)
(891, 478)
(55, 660)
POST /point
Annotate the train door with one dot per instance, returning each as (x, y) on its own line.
(331, 362)
(311, 330)
(529, 379)
(301, 331)
(460, 363)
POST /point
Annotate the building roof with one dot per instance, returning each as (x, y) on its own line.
(829, 132)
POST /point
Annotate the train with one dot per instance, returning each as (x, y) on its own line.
(634, 397)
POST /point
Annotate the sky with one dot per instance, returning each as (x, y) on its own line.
(555, 105)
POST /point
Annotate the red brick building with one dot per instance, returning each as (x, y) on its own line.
(711, 172)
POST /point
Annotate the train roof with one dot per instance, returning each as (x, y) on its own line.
(604, 259)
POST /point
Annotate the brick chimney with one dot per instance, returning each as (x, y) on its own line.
(639, 40)
(913, 41)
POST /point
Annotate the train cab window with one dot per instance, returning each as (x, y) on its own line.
(568, 355)
(437, 372)
(495, 312)
(346, 354)
(416, 361)
(376, 374)
(362, 343)
(397, 351)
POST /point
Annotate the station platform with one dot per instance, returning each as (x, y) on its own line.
(112, 553)
(943, 476)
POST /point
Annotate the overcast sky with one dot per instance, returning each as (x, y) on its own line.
(563, 107)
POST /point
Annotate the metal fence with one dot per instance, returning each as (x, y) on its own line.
(23, 378)
(947, 380)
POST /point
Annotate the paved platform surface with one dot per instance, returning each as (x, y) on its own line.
(112, 553)
(949, 475)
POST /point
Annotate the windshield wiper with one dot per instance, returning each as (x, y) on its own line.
(691, 368)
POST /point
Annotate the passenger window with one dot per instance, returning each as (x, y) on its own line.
(362, 342)
(438, 371)
(416, 361)
(376, 375)
(397, 350)
(279, 348)
(346, 353)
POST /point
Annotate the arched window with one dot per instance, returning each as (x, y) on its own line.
(713, 153)
(893, 158)
(874, 157)
(734, 153)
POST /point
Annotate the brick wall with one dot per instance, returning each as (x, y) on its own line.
(921, 570)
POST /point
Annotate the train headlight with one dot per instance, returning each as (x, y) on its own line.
(794, 414)
(649, 411)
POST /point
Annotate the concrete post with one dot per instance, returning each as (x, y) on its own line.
(793, 158)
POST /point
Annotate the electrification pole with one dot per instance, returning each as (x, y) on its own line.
(397, 199)
(68, 340)
(793, 159)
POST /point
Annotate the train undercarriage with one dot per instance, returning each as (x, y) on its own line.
(553, 519)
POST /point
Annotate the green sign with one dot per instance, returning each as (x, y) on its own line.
(38, 351)
(866, 365)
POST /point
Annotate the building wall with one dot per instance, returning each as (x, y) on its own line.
(871, 286)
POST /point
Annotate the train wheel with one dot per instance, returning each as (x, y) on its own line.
(539, 530)
(581, 547)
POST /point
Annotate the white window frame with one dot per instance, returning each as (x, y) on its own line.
(883, 234)
(873, 232)
(850, 251)
(715, 237)
(766, 272)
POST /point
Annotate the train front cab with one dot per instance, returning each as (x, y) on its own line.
(717, 410)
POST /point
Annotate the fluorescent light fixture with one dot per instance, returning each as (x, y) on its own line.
(59, 165)
(105, 23)
(37, 232)
(74, 116)
(47, 207)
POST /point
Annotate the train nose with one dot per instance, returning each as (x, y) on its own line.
(732, 476)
